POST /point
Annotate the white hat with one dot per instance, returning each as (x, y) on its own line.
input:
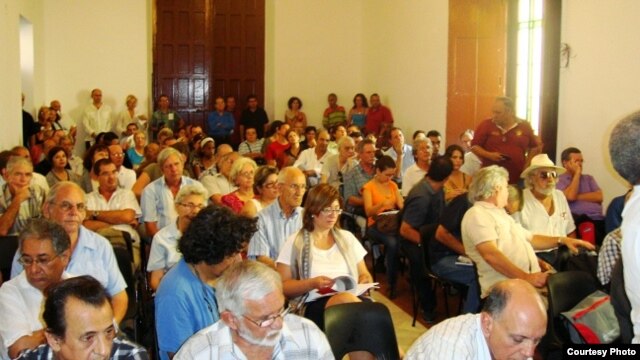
(206, 140)
(542, 161)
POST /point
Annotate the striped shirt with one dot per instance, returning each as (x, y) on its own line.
(158, 203)
(122, 350)
(300, 339)
(457, 338)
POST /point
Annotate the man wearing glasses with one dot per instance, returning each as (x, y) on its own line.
(254, 323)
(44, 253)
(126, 177)
(545, 210)
(186, 299)
(279, 220)
(91, 254)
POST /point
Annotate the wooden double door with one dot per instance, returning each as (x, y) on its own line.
(207, 48)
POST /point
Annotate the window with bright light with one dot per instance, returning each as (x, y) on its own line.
(529, 63)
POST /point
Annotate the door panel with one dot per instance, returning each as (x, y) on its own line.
(206, 48)
(477, 62)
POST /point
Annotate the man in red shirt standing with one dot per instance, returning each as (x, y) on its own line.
(379, 117)
(505, 140)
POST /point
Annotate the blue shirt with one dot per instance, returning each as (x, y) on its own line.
(157, 201)
(184, 306)
(93, 256)
(220, 125)
(135, 158)
(274, 227)
(407, 156)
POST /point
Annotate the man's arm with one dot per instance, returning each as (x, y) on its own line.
(120, 302)
(141, 183)
(26, 342)
(151, 227)
(489, 155)
(408, 232)
(496, 259)
(447, 239)
(115, 217)
(11, 212)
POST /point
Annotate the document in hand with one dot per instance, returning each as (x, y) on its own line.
(344, 283)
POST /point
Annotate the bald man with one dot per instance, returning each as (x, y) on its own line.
(279, 220)
(510, 326)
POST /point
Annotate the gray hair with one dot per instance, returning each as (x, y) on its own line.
(419, 141)
(624, 148)
(238, 165)
(43, 229)
(485, 181)
(165, 153)
(345, 139)
(246, 280)
(287, 173)
(15, 161)
(188, 190)
(56, 188)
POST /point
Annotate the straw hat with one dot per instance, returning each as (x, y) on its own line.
(542, 161)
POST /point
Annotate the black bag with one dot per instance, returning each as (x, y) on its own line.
(388, 222)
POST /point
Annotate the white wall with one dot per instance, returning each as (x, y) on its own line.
(318, 47)
(601, 84)
(10, 74)
(313, 48)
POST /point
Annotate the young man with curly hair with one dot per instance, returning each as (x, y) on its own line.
(185, 301)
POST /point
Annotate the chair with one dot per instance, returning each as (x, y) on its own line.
(427, 234)
(364, 326)
(566, 290)
(620, 302)
(8, 248)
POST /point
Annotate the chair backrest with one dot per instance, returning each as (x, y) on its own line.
(620, 302)
(427, 234)
(8, 248)
(566, 290)
(364, 326)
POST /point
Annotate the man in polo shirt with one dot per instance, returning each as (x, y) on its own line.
(280, 219)
(157, 197)
(379, 117)
(19, 199)
(505, 140)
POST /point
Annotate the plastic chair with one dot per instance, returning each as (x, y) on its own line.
(566, 290)
(364, 326)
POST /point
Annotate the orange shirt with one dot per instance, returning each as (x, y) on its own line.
(377, 197)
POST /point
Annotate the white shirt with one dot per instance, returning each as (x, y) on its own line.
(96, 120)
(631, 257)
(472, 164)
(534, 216)
(308, 160)
(77, 167)
(300, 339)
(217, 184)
(164, 248)
(126, 178)
(486, 222)
(459, 338)
(411, 177)
(21, 310)
(120, 200)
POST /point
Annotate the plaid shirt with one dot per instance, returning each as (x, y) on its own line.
(122, 350)
(354, 180)
(609, 255)
(29, 209)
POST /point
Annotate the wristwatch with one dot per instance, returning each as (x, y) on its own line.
(94, 215)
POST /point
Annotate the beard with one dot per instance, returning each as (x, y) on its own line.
(546, 191)
(269, 340)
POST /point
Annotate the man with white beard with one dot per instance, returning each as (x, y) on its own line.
(545, 210)
(254, 322)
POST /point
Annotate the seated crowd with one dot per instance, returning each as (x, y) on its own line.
(237, 223)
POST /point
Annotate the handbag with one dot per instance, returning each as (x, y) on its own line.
(593, 320)
(388, 222)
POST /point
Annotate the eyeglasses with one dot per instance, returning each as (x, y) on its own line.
(67, 206)
(270, 185)
(192, 206)
(247, 174)
(547, 174)
(295, 187)
(329, 211)
(27, 261)
(118, 155)
(268, 322)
